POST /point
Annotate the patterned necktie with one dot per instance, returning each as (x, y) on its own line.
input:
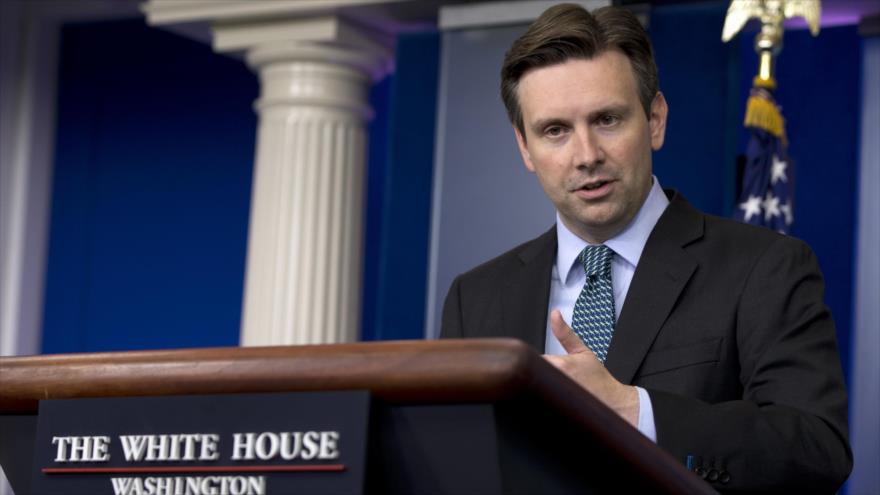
(593, 316)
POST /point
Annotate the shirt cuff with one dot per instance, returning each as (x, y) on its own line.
(646, 415)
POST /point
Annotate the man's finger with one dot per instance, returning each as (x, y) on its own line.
(554, 360)
(569, 340)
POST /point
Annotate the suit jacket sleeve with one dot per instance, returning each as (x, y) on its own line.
(788, 430)
(451, 325)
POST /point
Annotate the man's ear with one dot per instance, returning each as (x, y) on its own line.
(659, 112)
(523, 150)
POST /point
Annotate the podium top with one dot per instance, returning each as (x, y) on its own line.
(396, 372)
(480, 370)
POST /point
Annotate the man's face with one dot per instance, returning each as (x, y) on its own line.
(589, 142)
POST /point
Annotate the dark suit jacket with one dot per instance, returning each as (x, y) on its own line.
(723, 325)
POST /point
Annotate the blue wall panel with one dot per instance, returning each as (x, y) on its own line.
(151, 191)
(395, 296)
(377, 165)
(698, 77)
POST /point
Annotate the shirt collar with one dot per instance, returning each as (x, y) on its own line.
(628, 244)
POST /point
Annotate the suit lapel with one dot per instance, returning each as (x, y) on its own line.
(524, 300)
(663, 272)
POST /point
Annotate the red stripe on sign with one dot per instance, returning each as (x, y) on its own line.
(199, 469)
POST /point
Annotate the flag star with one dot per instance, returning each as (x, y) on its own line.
(771, 207)
(787, 212)
(751, 206)
(778, 170)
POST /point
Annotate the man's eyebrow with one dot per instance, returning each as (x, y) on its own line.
(616, 109)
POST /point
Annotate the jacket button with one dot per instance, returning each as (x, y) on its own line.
(724, 477)
(701, 472)
(713, 475)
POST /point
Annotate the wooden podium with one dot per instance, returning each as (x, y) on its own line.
(474, 416)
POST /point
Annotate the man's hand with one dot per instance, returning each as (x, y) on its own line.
(582, 366)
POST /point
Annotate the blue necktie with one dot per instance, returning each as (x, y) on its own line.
(593, 316)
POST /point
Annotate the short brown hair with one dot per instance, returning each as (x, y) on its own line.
(568, 31)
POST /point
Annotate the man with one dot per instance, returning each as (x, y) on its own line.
(709, 336)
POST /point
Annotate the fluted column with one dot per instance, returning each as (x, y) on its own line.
(303, 274)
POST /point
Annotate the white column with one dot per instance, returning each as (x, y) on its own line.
(304, 262)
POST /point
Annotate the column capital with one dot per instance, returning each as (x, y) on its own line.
(160, 12)
(357, 33)
(328, 39)
(318, 76)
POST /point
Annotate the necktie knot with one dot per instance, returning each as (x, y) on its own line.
(596, 261)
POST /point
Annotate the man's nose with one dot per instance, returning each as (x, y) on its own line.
(587, 150)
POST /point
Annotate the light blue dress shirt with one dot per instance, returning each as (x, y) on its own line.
(568, 278)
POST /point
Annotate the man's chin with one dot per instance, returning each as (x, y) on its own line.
(595, 228)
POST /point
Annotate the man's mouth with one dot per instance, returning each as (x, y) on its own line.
(594, 190)
(594, 185)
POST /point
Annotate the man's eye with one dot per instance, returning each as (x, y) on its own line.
(608, 120)
(554, 131)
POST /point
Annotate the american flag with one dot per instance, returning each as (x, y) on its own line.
(768, 177)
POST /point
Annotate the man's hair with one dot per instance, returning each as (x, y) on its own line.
(567, 31)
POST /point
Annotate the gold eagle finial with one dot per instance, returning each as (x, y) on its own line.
(768, 43)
